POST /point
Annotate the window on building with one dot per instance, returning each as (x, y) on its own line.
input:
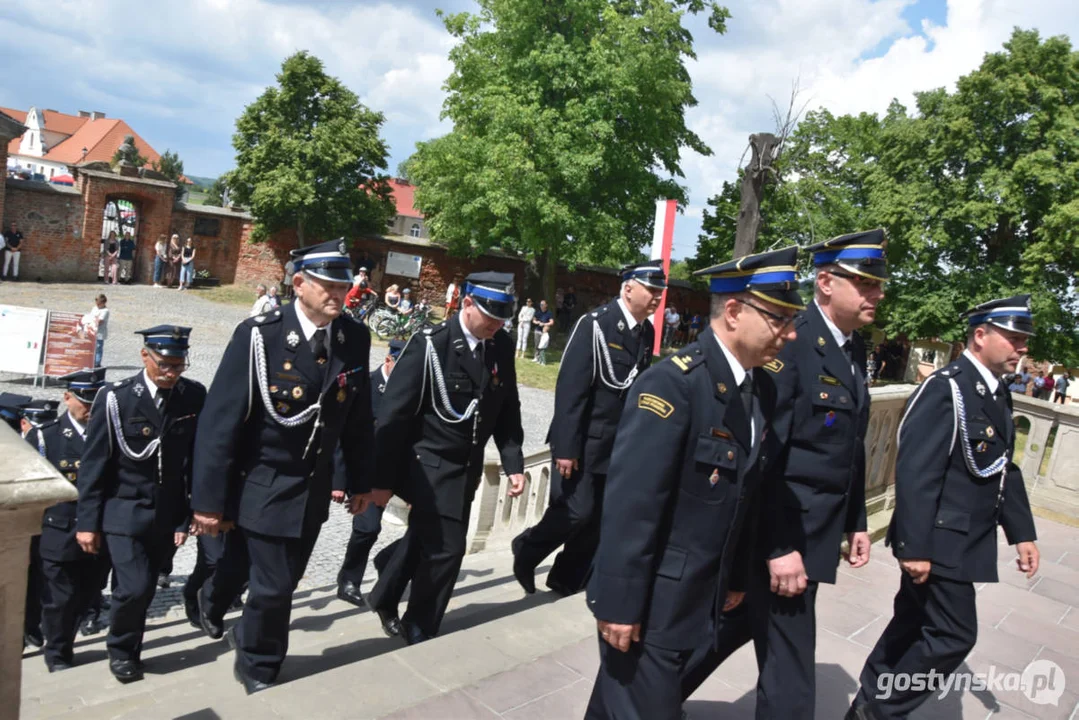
(415, 231)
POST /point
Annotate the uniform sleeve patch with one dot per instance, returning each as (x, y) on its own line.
(774, 366)
(656, 404)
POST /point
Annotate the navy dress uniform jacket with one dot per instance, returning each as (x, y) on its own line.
(821, 476)
(679, 511)
(944, 513)
(587, 411)
(436, 465)
(63, 448)
(122, 496)
(251, 468)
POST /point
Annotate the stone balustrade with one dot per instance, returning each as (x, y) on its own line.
(28, 485)
(497, 518)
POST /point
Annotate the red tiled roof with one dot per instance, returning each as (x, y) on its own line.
(404, 195)
(100, 137)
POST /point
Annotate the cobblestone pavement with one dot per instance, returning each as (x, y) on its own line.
(140, 306)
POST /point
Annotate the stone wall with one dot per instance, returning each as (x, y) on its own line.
(50, 218)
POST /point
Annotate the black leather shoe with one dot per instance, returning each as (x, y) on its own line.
(413, 635)
(350, 593)
(57, 664)
(191, 609)
(251, 685)
(126, 670)
(557, 586)
(525, 575)
(860, 712)
(213, 629)
(163, 581)
(33, 638)
(391, 624)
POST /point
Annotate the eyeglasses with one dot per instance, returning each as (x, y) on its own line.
(169, 367)
(783, 320)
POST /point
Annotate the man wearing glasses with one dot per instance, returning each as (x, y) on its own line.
(134, 483)
(818, 487)
(683, 488)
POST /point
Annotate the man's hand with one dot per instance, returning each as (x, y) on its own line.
(357, 504)
(90, 542)
(1028, 559)
(338, 496)
(619, 636)
(381, 497)
(734, 599)
(788, 574)
(517, 484)
(858, 550)
(566, 466)
(917, 569)
(206, 524)
(179, 538)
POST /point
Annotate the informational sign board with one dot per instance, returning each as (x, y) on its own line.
(405, 265)
(22, 332)
(65, 350)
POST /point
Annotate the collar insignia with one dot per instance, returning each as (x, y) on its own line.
(293, 338)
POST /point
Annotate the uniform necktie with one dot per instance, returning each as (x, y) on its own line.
(162, 398)
(318, 346)
(746, 389)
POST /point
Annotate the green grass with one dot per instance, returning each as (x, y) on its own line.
(227, 294)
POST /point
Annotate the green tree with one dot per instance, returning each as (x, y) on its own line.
(308, 155)
(978, 190)
(215, 196)
(568, 124)
(172, 167)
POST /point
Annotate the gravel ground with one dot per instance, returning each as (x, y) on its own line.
(141, 306)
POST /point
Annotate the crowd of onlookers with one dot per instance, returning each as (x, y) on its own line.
(1042, 385)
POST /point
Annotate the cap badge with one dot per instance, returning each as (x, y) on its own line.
(293, 338)
(341, 248)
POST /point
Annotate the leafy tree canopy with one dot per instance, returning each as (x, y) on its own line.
(308, 155)
(978, 190)
(568, 124)
(215, 196)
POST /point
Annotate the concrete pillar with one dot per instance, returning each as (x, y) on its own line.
(28, 485)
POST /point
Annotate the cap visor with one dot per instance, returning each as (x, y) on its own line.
(783, 298)
(334, 275)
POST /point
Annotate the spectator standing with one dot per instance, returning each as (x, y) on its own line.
(542, 344)
(1062, 388)
(453, 295)
(569, 305)
(1039, 386)
(262, 302)
(174, 260)
(271, 296)
(187, 264)
(127, 257)
(541, 321)
(1047, 387)
(695, 327)
(393, 297)
(524, 325)
(96, 324)
(12, 250)
(112, 257)
(670, 324)
(161, 259)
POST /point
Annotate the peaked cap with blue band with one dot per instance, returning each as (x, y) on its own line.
(771, 276)
(396, 346)
(84, 384)
(39, 412)
(650, 274)
(493, 293)
(327, 261)
(11, 408)
(1010, 313)
(166, 340)
(860, 253)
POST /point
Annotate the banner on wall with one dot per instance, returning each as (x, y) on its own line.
(66, 349)
(404, 265)
(22, 333)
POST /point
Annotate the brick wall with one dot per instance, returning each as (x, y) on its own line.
(50, 219)
(221, 254)
(262, 262)
(3, 183)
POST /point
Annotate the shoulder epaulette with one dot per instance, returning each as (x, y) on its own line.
(436, 329)
(688, 359)
(601, 310)
(264, 319)
(951, 370)
(121, 383)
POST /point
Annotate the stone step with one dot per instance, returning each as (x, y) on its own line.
(339, 661)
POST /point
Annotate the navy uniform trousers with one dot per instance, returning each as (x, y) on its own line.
(365, 529)
(136, 563)
(71, 589)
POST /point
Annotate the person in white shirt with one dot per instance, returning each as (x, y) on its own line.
(524, 326)
(263, 303)
(96, 324)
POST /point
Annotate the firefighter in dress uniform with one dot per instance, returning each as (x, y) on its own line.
(683, 490)
(72, 577)
(606, 353)
(453, 388)
(134, 483)
(291, 388)
(955, 482)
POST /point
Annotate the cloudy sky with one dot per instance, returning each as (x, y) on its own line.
(180, 72)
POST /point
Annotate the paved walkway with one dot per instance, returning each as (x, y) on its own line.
(135, 307)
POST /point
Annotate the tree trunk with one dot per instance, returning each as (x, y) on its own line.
(749, 212)
(299, 231)
(548, 277)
